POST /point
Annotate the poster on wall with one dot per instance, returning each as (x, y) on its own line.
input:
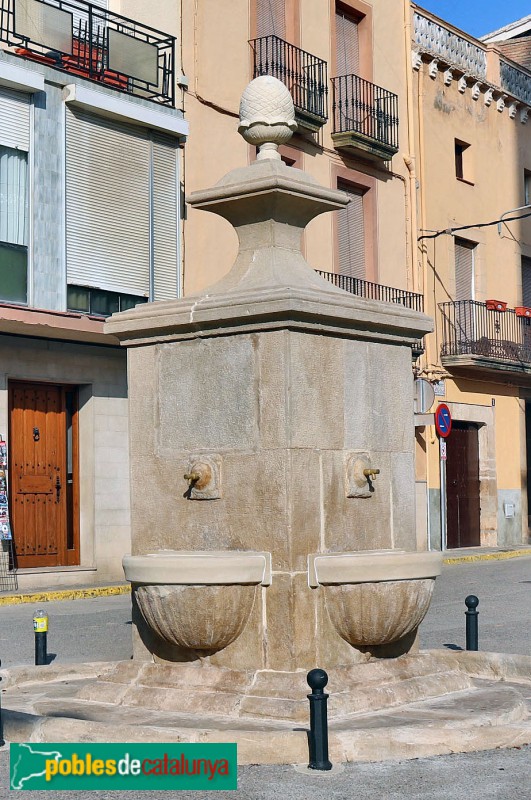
(3, 454)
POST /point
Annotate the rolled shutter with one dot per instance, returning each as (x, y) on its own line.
(347, 45)
(107, 204)
(14, 119)
(270, 18)
(165, 218)
(464, 270)
(526, 281)
(351, 236)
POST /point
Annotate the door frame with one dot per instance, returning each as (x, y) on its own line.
(71, 532)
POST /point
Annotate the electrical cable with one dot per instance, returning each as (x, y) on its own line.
(451, 231)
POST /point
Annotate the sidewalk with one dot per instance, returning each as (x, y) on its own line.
(464, 555)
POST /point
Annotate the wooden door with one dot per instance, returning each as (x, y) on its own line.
(38, 475)
(462, 487)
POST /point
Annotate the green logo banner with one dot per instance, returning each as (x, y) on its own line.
(123, 766)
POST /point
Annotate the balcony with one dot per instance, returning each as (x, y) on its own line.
(304, 75)
(87, 41)
(490, 341)
(376, 291)
(365, 118)
(516, 81)
(449, 47)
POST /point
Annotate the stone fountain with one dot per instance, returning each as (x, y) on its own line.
(273, 521)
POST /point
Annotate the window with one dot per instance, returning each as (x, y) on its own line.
(351, 233)
(464, 290)
(526, 282)
(464, 269)
(527, 187)
(13, 225)
(99, 303)
(462, 161)
(347, 44)
(270, 18)
(14, 146)
(121, 208)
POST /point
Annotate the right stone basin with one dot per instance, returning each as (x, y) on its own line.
(375, 598)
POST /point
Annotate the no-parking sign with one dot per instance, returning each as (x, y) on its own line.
(443, 420)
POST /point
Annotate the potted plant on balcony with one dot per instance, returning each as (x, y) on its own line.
(496, 305)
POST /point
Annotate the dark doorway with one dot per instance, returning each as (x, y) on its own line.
(462, 486)
(528, 455)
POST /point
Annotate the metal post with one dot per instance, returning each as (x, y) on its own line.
(471, 603)
(2, 740)
(317, 680)
(40, 629)
(442, 456)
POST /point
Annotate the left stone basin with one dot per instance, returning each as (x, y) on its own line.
(197, 600)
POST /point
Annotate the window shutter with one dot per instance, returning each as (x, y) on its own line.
(464, 270)
(347, 45)
(526, 282)
(14, 119)
(165, 218)
(270, 18)
(351, 236)
(107, 204)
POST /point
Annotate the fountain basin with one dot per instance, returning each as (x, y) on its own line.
(197, 601)
(207, 567)
(375, 598)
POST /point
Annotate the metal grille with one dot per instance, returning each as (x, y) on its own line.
(304, 75)
(90, 43)
(469, 328)
(361, 107)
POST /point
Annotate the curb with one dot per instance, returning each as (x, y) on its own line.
(64, 594)
(501, 556)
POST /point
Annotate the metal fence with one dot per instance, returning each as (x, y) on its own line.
(305, 75)
(359, 106)
(469, 328)
(374, 291)
(85, 40)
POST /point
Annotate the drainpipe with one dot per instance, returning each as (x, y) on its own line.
(409, 159)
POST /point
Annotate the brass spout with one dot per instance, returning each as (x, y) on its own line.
(192, 476)
(371, 473)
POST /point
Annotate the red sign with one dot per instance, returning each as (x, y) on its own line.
(443, 420)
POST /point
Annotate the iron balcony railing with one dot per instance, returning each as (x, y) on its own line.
(469, 328)
(374, 291)
(82, 39)
(361, 107)
(305, 76)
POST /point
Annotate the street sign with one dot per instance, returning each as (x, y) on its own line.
(424, 396)
(443, 449)
(443, 420)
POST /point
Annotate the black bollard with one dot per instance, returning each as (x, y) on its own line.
(40, 629)
(471, 613)
(2, 740)
(317, 680)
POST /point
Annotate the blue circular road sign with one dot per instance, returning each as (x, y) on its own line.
(443, 420)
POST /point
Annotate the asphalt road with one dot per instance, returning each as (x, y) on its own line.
(99, 629)
(503, 774)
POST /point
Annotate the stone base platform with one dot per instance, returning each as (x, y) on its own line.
(417, 705)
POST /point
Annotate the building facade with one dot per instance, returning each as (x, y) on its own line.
(473, 161)
(89, 225)
(423, 126)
